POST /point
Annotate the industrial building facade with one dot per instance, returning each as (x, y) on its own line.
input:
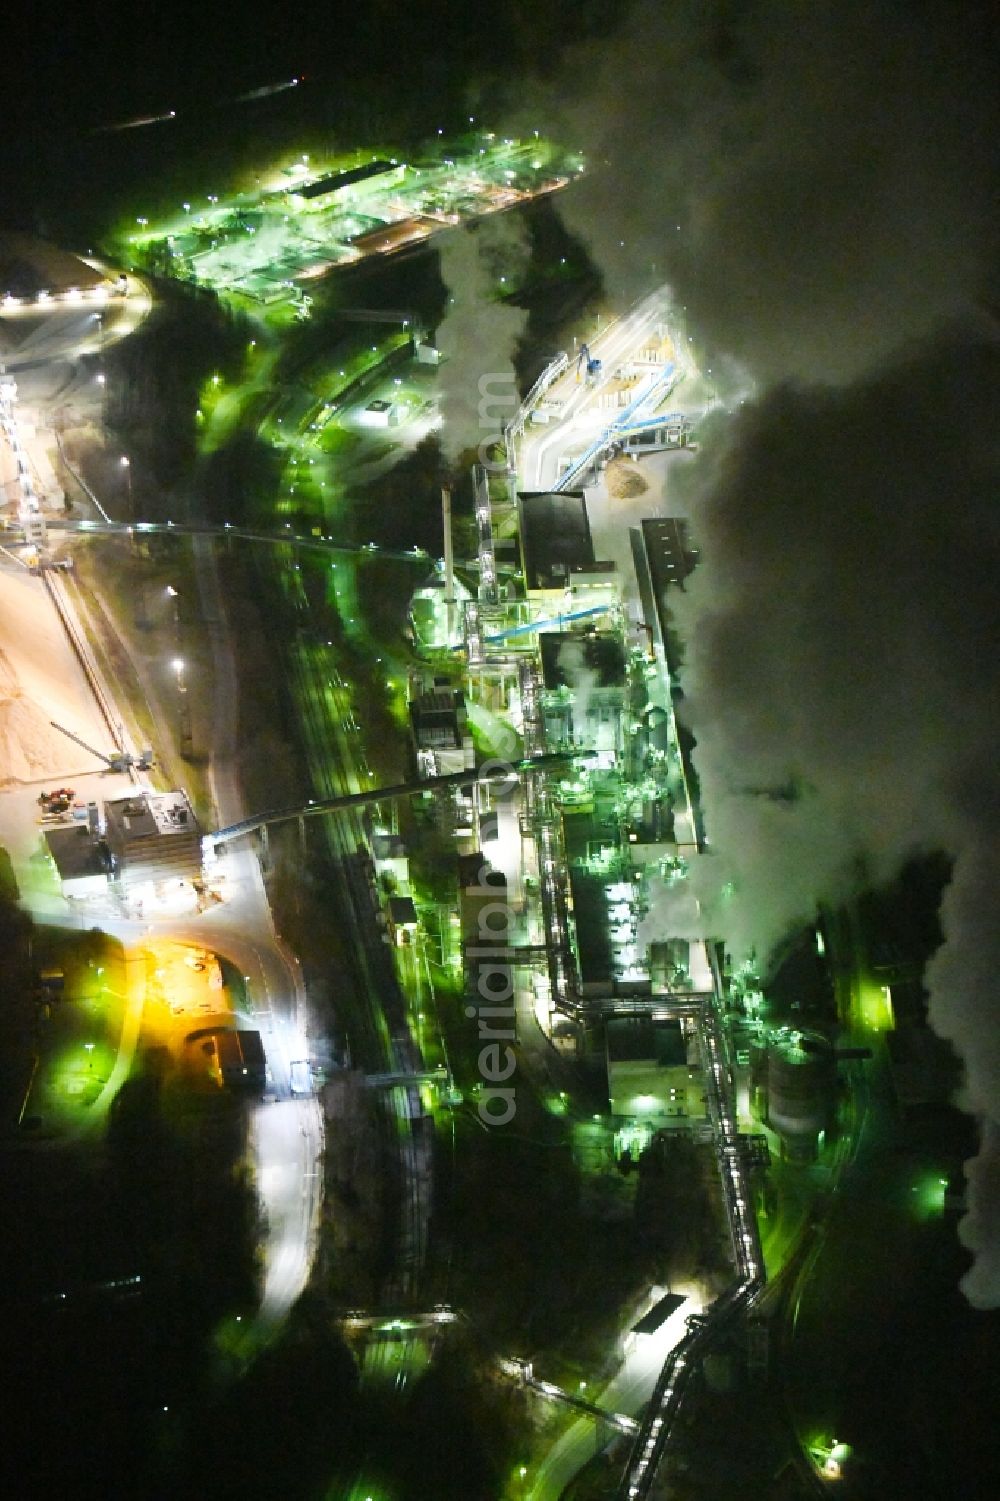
(152, 837)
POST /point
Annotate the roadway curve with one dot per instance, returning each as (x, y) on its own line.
(287, 1133)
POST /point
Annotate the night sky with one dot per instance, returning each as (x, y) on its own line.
(366, 69)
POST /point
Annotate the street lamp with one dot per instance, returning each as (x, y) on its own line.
(125, 464)
(183, 710)
(174, 596)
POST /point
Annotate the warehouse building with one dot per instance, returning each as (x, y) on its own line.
(152, 837)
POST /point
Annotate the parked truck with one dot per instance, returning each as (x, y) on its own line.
(241, 1062)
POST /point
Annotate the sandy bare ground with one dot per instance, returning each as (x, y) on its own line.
(40, 680)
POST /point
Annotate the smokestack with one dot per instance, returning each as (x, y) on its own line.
(449, 558)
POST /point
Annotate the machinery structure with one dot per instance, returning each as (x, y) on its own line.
(119, 760)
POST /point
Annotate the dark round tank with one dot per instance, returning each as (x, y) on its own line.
(800, 1085)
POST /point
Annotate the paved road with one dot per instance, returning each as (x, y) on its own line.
(287, 1132)
(628, 1392)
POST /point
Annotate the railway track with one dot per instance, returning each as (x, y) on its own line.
(384, 1043)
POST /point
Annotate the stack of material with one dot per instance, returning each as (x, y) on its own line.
(624, 480)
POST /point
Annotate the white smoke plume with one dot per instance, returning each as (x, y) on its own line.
(817, 185)
(843, 645)
(815, 182)
(479, 331)
(582, 682)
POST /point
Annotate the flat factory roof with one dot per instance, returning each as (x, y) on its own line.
(658, 1314)
(590, 920)
(76, 852)
(395, 236)
(344, 179)
(672, 555)
(144, 813)
(555, 536)
(641, 1039)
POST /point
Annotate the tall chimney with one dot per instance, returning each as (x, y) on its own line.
(449, 560)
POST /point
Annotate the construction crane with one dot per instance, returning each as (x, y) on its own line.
(589, 363)
(120, 761)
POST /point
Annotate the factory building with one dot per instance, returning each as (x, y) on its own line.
(654, 1074)
(584, 689)
(658, 349)
(616, 393)
(594, 584)
(81, 860)
(392, 863)
(665, 558)
(152, 837)
(401, 916)
(436, 612)
(29, 266)
(386, 238)
(439, 725)
(322, 193)
(554, 532)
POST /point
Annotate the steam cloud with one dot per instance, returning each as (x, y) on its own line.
(582, 682)
(818, 189)
(478, 333)
(817, 185)
(843, 632)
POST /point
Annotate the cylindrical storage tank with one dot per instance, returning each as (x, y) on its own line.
(800, 1086)
(719, 1370)
(758, 1079)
